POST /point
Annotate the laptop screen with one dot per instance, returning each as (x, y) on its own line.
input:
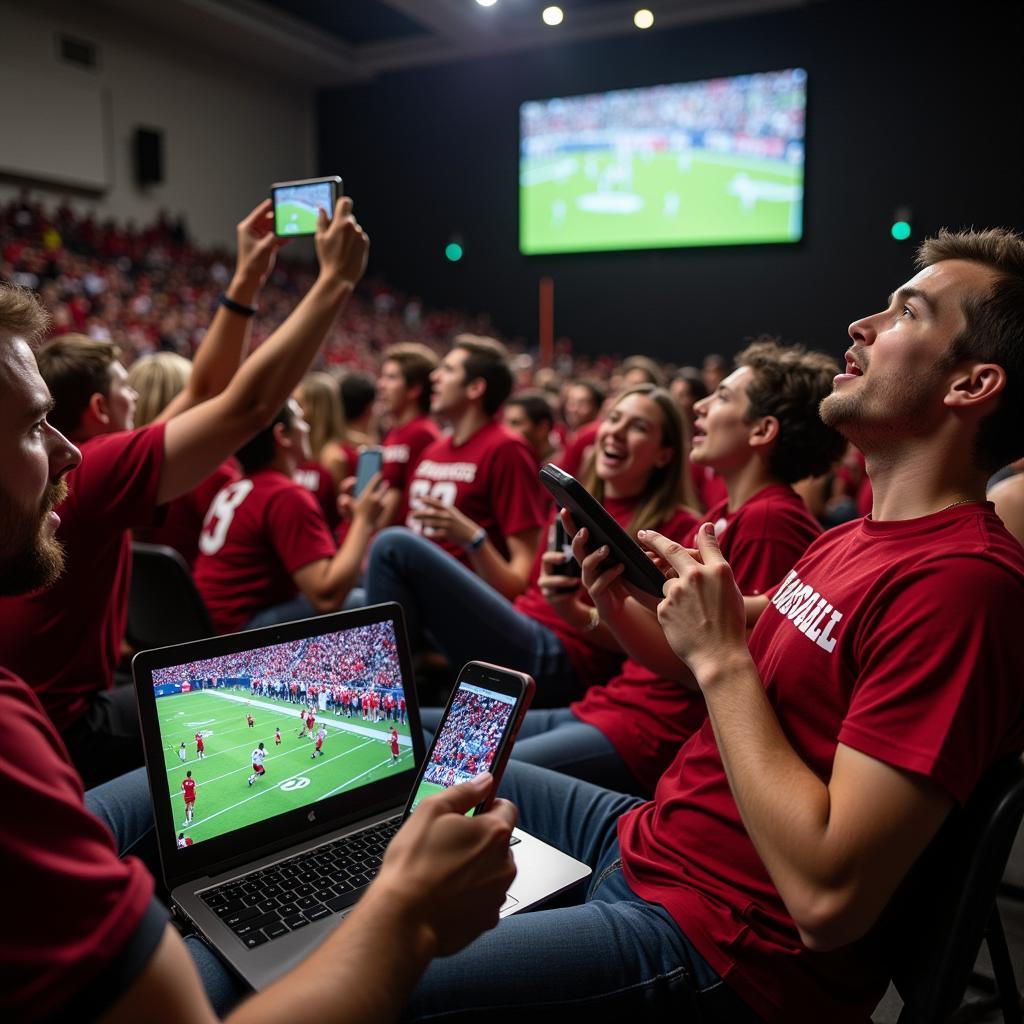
(254, 734)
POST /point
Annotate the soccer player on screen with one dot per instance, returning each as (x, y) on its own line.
(201, 744)
(394, 745)
(182, 753)
(309, 723)
(248, 718)
(258, 771)
(277, 737)
(183, 841)
(188, 788)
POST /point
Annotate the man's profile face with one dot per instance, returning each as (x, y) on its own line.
(448, 384)
(392, 390)
(580, 407)
(33, 460)
(721, 432)
(892, 382)
(121, 399)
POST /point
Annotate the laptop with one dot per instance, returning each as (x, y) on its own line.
(286, 824)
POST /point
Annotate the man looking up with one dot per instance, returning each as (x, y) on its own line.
(529, 414)
(474, 491)
(125, 476)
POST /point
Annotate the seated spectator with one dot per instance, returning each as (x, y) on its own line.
(529, 414)
(865, 706)
(266, 554)
(358, 391)
(156, 380)
(1008, 498)
(403, 393)
(761, 430)
(638, 472)
(127, 475)
(474, 491)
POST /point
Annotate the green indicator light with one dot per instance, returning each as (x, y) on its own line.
(453, 251)
(900, 231)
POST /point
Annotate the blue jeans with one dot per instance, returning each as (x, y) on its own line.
(555, 738)
(467, 619)
(614, 957)
(124, 806)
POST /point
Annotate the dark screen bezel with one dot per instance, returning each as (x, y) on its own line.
(336, 190)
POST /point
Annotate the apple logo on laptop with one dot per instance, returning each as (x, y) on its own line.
(311, 816)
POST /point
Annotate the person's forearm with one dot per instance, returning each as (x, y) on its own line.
(638, 634)
(363, 971)
(497, 571)
(343, 570)
(784, 805)
(270, 374)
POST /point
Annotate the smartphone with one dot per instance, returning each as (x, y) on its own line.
(476, 731)
(559, 540)
(371, 460)
(296, 204)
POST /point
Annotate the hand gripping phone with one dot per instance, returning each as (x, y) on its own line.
(296, 204)
(371, 461)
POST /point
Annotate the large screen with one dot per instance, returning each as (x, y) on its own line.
(719, 162)
(251, 735)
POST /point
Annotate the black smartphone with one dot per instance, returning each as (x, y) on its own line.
(371, 460)
(587, 511)
(559, 540)
(296, 204)
(476, 731)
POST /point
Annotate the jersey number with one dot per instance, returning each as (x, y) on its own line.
(222, 511)
(444, 491)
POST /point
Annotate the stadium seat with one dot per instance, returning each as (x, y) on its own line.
(164, 606)
(947, 906)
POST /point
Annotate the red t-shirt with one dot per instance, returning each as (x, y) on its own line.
(60, 853)
(402, 449)
(573, 459)
(592, 664)
(894, 638)
(188, 788)
(316, 478)
(183, 517)
(490, 478)
(647, 718)
(258, 532)
(710, 487)
(65, 641)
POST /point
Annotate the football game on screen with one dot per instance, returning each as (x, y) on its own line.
(468, 740)
(251, 735)
(296, 207)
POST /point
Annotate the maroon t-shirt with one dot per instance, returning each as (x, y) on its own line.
(258, 532)
(647, 718)
(183, 517)
(65, 641)
(893, 638)
(402, 449)
(491, 478)
(317, 479)
(61, 857)
(576, 452)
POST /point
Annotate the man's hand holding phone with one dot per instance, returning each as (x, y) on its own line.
(449, 871)
(341, 244)
(257, 252)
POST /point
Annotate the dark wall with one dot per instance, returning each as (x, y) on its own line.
(916, 104)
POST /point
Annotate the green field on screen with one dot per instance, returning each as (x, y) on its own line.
(295, 219)
(585, 201)
(354, 753)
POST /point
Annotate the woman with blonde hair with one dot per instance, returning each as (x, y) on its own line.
(156, 379)
(321, 407)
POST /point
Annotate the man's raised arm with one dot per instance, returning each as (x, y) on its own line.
(199, 439)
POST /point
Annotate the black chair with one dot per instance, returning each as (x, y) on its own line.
(164, 606)
(946, 907)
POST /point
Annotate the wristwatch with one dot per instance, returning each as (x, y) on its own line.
(478, 540)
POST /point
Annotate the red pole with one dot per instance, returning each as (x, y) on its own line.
(546, 329)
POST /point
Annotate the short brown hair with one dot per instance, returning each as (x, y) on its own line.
(487, 360)
(21, 314)
(655, 373)
(994, 332)
(417, 363)
(788, 383)
(75, 368)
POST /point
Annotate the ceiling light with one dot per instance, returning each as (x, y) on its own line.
(552, 15)
(642, 19)
(486, 3)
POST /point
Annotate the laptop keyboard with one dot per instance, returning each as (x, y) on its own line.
(290, 894)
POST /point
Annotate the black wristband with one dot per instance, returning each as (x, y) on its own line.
(237, 307)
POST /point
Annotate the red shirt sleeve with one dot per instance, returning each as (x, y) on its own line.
(297, 530)
(515, 491)
(88, 904)
(771, 541)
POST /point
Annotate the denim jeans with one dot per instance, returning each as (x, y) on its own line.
(124, 805)
(555, 738)
(615, 957)
(465, 617)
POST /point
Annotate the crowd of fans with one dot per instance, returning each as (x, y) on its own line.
(469, 738)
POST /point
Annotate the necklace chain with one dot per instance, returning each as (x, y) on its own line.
(953, 504)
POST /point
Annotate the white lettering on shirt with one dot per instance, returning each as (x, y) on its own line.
(802, 605)
(460, 472)
(396, 453)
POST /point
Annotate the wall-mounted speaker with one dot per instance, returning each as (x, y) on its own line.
(148, 146)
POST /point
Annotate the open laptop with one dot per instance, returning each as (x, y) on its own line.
(281, 837)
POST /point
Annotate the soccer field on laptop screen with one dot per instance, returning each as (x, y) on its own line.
(214, 714)
(719, 162)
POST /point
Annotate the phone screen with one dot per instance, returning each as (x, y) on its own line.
(370, 461)
(470, 737)
(296, 207)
